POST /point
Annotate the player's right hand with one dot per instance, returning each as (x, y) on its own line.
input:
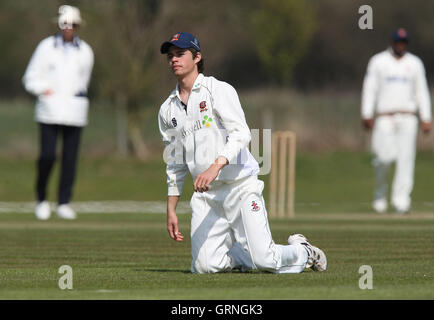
(172, 227)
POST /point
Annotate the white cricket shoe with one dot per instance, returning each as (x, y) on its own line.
(64, 211)
(316, 260)
(401, 207)
(402, 210)
(380, 205)
(43, 211)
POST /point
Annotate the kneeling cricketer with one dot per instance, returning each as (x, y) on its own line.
(204, 128)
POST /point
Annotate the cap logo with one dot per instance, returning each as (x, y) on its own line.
(402, 33)
(175, 37)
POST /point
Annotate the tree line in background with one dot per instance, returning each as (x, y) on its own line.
(299, 44)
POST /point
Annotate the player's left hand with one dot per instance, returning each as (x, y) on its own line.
(202, 182)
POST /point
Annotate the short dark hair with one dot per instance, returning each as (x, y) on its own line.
(200, 64)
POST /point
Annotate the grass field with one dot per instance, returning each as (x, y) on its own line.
(129, 256)
(340, 182)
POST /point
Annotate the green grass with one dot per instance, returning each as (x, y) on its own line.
(325, 183)
(130, 256)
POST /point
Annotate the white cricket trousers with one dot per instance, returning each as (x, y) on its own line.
(394, 140)
(229, 229)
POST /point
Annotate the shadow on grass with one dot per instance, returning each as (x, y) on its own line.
(236, 271)
(163, 270)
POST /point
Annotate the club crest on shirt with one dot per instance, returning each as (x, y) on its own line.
(202, 106)
(174, 122)
(255, 206)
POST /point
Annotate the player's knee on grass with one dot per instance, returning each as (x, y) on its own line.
(205, 266)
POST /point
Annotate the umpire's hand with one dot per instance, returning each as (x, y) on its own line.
(368, 124)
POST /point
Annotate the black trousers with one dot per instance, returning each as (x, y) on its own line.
(47, 157)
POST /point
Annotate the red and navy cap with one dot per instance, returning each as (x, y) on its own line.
(400, 35)
(182, 40)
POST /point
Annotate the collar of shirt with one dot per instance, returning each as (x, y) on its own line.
(390, 50)
(196, 86)
(58, 41)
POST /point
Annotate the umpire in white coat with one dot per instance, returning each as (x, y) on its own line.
(395, 95)
(58, 74)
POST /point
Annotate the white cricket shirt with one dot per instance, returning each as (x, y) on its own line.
(64, 68)
(392, 84)
(212, 125)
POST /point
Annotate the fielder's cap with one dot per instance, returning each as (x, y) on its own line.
(68, 16)
(182, 40)
(400, 35)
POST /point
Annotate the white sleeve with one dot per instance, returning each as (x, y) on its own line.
(423, 98)
(34, 78)
(369, 91)
(228, 108)
(176, 168)
(89, 67)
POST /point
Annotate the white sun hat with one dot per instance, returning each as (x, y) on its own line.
(68, 16)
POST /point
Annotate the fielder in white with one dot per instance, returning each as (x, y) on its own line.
(395, 94)
(205, 132)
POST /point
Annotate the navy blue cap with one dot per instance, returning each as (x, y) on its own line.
(182, 40)
(400, 35)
